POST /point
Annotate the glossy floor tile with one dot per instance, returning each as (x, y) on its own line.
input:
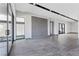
(50, 46)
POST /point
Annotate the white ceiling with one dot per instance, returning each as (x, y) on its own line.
(68, 9)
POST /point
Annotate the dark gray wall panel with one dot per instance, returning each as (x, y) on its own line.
(39, 27)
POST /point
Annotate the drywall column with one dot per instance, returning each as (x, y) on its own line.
(69, 27)
(55, 27)
(28, 26)
(48, 23)
(78, 29)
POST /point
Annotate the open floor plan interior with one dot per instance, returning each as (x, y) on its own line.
(39, 29)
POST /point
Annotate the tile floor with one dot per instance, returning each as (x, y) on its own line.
(49, 46)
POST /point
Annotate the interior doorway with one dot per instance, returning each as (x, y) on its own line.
(39, 27)
(61, 28)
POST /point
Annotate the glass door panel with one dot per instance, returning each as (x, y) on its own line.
(9, 28)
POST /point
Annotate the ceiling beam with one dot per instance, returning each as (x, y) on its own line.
(52, 11)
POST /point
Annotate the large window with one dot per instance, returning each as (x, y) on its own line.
(3, 26)
(61, 28)
(20, 27)
(6, 28)
(3, 38)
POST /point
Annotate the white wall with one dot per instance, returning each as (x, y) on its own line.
(69, 27)
(78, 29)
(74, 27)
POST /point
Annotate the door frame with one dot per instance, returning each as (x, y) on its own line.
(12, 28)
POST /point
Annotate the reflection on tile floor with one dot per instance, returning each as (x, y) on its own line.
(51, 46)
